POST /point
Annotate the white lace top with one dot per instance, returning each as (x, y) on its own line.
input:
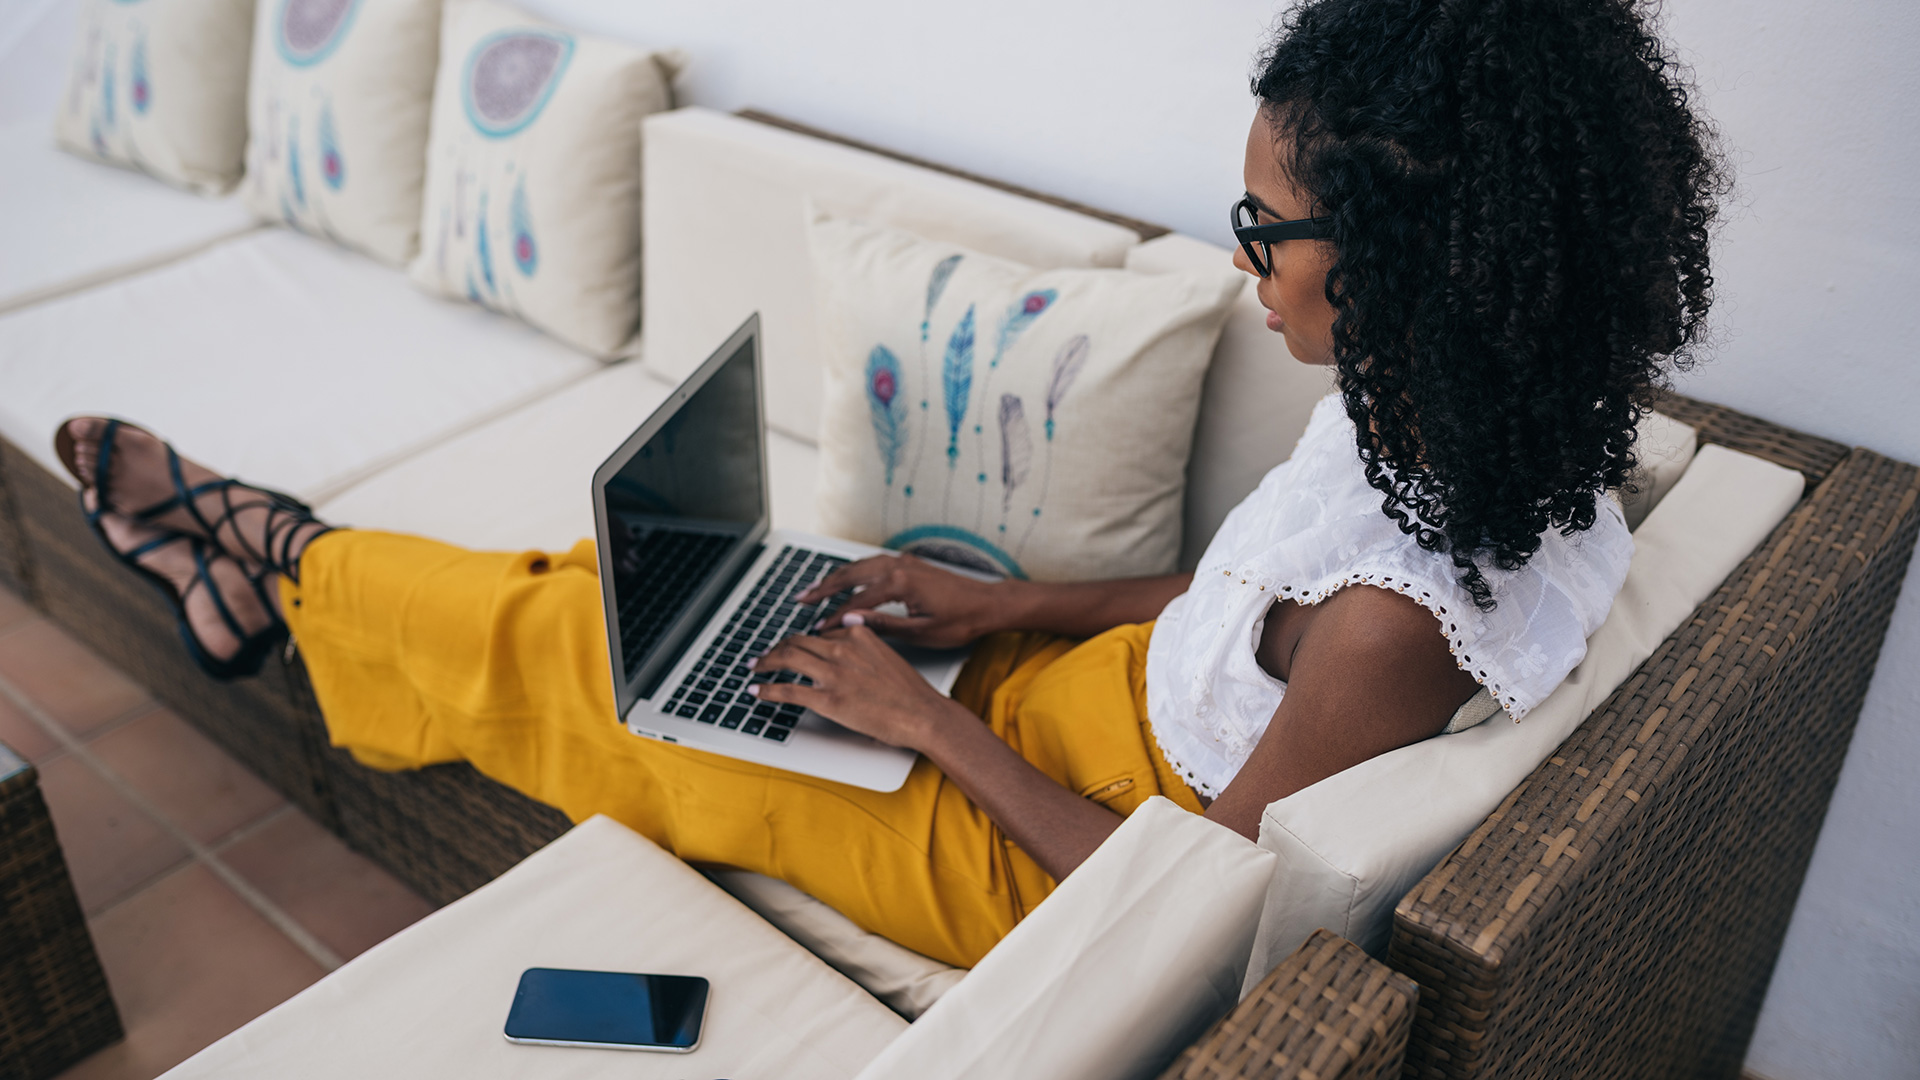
(1313, 526)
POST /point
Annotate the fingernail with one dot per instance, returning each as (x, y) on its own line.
(754, 689)
(853, 620)
(751, 662)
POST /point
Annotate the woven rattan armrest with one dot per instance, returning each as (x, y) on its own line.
(1620, 913)
(54, 1004)
(1328, 1012)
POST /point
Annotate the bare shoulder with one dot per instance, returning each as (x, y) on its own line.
(1367, 671)
(1371, 651)
(1371, 620)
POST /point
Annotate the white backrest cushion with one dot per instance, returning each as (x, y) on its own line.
(1125, 964)
(1351, 845)
(337, 119)
(1664, 447)
(532, 201)
(1253, 406)
(161, 87)
(726, 219)
(1029, 423)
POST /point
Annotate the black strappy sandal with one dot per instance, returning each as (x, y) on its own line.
(254, 649)
(286, 515)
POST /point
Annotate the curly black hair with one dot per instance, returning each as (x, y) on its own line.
(1521, 198)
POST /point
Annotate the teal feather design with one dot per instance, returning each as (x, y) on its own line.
(526, 250)
(483, 248)
(107, 111)
(889, 411)
(140, 86)
(937, 284)
(1066, 367)
(956, 377)
(294, 175)
(1020, 315)
(333, 167)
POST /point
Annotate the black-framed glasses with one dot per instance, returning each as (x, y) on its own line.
(1257, 240)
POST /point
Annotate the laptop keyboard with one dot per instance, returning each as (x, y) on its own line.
(715, 688)
(658, 574)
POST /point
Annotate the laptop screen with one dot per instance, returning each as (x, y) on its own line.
(679, 507)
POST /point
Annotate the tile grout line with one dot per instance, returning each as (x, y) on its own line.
(267, 909)
(252, 828)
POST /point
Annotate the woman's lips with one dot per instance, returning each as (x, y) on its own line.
(1275, 323)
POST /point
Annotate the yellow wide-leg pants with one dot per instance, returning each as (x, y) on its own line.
(422, 653)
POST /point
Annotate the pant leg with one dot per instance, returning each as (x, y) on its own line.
(421, 653)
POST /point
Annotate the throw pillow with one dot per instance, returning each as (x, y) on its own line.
(1034, 424)
(533, 173)
(161, 86)
(337, 114)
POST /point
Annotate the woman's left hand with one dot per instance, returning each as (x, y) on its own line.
(860, 682)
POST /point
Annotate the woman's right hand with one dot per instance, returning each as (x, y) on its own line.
(944, 610)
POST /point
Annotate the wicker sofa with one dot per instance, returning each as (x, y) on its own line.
(1619, 914)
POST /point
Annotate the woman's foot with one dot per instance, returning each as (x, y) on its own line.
(230, 614)
(256, 527)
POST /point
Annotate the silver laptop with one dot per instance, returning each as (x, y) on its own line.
(695, 583)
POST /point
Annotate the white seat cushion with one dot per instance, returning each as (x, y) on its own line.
(430, 1002)
(1352, 845)
(726, 214)
(524, 479)
(67, 223)
(279, 358)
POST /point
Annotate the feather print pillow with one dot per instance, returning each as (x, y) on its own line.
(161, 86)
(337, 113)
(1034, 424)
(533, 173)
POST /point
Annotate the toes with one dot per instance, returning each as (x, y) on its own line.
(83, 433)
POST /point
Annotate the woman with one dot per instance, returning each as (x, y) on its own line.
(1488, 215)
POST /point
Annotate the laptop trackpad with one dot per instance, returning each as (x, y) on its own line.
(940, 667)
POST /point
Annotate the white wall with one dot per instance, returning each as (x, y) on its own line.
(1819, 277)
(1140, 106)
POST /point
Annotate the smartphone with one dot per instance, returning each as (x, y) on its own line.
(608, 1009)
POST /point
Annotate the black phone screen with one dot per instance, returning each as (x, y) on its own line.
(608, 1008)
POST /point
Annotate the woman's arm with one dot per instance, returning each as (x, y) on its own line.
(1087, 608)
(861, 682)
(1367, 671)
(945, 610)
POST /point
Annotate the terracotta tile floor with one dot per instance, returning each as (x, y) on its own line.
(211, 899)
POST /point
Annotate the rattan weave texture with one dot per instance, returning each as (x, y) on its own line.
(54, 1004)
(1620, 913)
(16, 568)
(1813, 456)
(1328, 1012)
